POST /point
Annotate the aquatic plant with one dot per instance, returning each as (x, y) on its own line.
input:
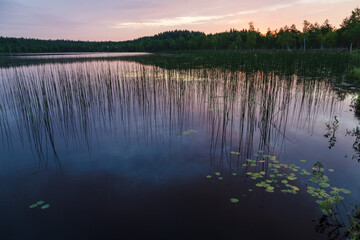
(187, 132)
(357, 105)
(332, 128)
(356, 145)
(40, 204)
(354, 75)
(328, 197)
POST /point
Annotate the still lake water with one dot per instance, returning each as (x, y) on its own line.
(123, 150)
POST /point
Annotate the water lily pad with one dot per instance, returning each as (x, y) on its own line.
(45, 206)
(220, 178)
(331, 170)
(40, 202)
(325, 185)
(234, 200)
(234, 174)
(345, 191)
(208, 176)
(302, 160)
(33, 205)
(217, 174)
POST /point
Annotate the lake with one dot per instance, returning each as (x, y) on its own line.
(142, 146)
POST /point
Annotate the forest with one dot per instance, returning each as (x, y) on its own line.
(312, 36)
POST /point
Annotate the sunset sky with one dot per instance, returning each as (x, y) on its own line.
(128, 19)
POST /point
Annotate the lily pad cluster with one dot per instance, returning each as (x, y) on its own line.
(40, 204)
(187, 132)
(327, 195)
(217, 174)
(282, 177)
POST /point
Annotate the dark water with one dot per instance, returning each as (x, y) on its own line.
(121, 150)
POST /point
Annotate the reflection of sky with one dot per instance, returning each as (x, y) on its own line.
(123, 20)
(148, 153)
(143, 145)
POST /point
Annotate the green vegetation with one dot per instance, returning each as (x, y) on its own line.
(312, 36)
(355, 75)
(40, 204)
(278, 178)
(357, 105)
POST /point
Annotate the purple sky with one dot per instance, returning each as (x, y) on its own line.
(127, 19)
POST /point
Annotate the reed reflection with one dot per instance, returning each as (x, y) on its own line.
(76, 104)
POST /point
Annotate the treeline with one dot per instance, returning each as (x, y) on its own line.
(312, 36)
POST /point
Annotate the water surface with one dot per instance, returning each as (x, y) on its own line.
(122, 149)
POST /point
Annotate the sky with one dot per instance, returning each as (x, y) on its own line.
(118, 20)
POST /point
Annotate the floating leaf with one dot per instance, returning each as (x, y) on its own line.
(262, 173)
(331, 170)
(302, 160)
(234, 200)
(217, 174)
(295, 188)
(325, 185)
(40, 202)
(250, 190)
(208, 176)
(33, 205)
(234, 174)
(220, 178)
(236, 153)
(345, 191)
(45, 206)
